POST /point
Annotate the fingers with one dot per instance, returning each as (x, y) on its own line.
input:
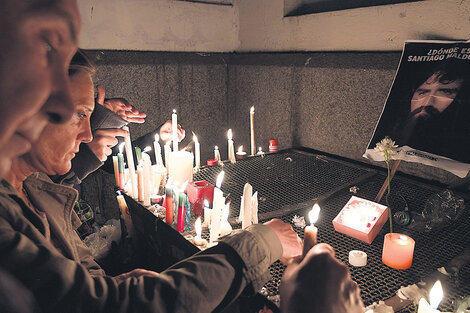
(111, 132)
(101, 94)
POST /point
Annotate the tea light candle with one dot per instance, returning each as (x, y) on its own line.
(174, 130)
(252, 130)
(398, 251)
(357, 258)
(435, 297)
(231, 149)
(240, 153)
(198, 241)
(310, 232)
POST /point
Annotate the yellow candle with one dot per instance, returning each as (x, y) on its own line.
(398, 251)
(310, 232)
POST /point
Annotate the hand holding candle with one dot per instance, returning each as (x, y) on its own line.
(310, 232)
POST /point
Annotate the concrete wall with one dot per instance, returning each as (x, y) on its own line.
(260, 25)
(325, 101)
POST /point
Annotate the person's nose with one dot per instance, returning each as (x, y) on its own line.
(59, 108)
(86, 135)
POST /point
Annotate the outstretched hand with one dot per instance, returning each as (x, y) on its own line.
(121, 107)
(166, 132)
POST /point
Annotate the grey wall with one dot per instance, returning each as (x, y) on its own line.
(325, 101)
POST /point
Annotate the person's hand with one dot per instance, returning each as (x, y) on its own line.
(319, 284)
(291, 243)
(104, 140)
(135, 273)
(121, 107)
(166, 132)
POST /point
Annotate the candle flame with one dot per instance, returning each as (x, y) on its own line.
(240, 149)
(229, 134)
(174, 111)
(147, 149)
(198, 227)
(157, 137)
(194, 138)
(435, 295)
(216, 148)
(218, 183)
(252, 110)
(121, 147)
(206, 203)
(313, 214)
(260, 149)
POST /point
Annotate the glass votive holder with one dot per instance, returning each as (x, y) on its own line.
(398, 251)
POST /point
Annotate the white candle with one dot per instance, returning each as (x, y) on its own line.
(247, 194)
(225, 227)
(260, 151)
(140, 181)
(207, 214)
(116, 170)
(197, 152)
(218, 203)
(310, 232)
(181, 166)
(174, 128)
(252, 130)
(217, 154)
(231, 149)
(435, 297)
(198, 241)
(167, 156)
(158, 150)
(254, 208)
(240, 153)
(130, 164)
(147, 167)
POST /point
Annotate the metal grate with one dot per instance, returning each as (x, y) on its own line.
(287, 179)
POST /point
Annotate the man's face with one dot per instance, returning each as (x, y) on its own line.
(434, 96)
(37, 41)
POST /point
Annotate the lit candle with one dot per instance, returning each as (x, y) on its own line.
(198, 241)
(130, 163)
(197, 152)
(218, 203)
(252, 130)
(116, 171)
(207, 213)
(158, 150)
(125, 214)
(225, 227)
(120, 161)
(147, 167)
(181, 166)
(310, 232)
(240, 153)
(174, 130)
(398, 251)
(231, 149)
(435, 297)
(217, 154)
(260, 151)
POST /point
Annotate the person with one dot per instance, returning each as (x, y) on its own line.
(319, 283)
(37, 40)
(436, 115)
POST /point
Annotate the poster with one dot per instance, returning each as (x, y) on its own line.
(427, 111)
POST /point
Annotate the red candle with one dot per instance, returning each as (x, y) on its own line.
(168, 204)
(181, 208)
(398, 251)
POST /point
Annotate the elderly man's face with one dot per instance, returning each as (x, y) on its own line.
(435, 94)
(37, 41)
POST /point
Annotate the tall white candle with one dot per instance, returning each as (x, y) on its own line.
(167, 156)
(147, 176)
(197, 152)
(217, 205)
(225, 227)
(174, 128)
(252, 130)
(181, 166)
(158, 150)
(247, 194)
(130, 164)
(231, 149)
(140, 181)
(217, 154)
(310, 232)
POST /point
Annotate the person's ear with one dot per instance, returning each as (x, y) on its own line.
(101, 94)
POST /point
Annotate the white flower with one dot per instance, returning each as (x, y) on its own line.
(386, 147)
(299, 221)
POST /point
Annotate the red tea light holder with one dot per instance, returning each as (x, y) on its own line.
(198, 192)
(361, 219)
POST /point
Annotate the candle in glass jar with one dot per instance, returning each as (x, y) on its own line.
(310, 232)
(398, 251)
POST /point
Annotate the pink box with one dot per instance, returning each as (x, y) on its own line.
(199, 191)
(361, 219)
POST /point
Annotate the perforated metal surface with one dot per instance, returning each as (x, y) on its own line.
(287, 179)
